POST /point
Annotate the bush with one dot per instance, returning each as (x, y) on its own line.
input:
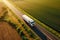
(23, 25)
(18, 30)
(4, 14)
(12, 24)
(22, 35)
(24, 38)
(19, 20)
(29, 31)
(31, 34)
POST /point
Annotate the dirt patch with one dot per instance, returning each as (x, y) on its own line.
(7, 32)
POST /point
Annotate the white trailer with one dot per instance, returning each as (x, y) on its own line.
(28, 20)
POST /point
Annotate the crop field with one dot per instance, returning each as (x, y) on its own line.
(6, 30)
(46, 11)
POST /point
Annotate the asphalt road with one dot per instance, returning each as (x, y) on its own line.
(40, 31)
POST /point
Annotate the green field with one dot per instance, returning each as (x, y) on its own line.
(46, 11)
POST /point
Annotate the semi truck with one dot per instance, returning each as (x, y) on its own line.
(28, 20)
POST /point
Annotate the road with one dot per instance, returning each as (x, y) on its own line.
(7, 32)
(40, 31)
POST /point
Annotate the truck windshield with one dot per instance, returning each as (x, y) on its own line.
(32, 22)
